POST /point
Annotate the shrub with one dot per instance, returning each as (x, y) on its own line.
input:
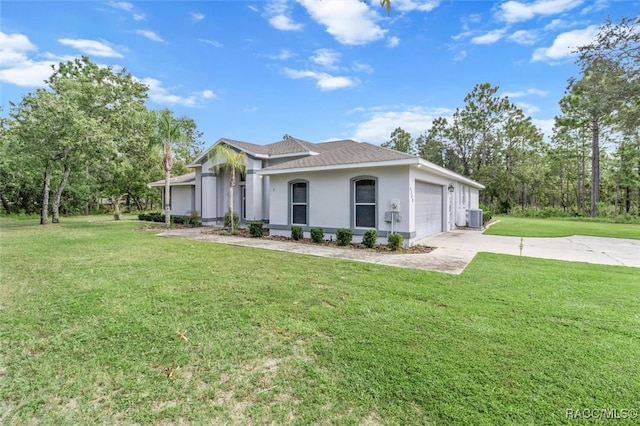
(394, 241)
(486, 216)
(317, 235)
(194, 218)
(296, 232)
(370, 238)
(255, 229)
(344, 236)
(227, 221)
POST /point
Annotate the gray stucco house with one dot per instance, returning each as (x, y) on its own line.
(341, 184)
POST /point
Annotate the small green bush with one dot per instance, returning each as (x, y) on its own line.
(255, 229)
(317, 235)
(486, 216)
(344, 236)
(227, 221)
(194, 218)
(370, 238)
(296, 232)
(394, 241)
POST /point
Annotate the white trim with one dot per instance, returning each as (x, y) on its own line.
(417, 162)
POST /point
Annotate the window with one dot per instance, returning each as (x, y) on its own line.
(364, 191)
(299, 203)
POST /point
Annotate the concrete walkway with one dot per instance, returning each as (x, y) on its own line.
(453, 250)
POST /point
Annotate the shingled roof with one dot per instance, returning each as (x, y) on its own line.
(188, 179)
(343, 152)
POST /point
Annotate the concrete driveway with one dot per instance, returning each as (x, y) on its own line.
(453, 250)
(577, 248)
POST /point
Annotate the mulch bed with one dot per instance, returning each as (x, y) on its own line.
(379, 248)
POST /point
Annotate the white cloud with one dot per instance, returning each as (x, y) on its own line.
(212, 42)
(27, 73)
(527, 108)
(252, 8)
(13, 48)
(393, 41)
(382, 121)
(283, 55)
(127, 7)
(523, 37)
(546, 126)
(277, 13)
(326, 58)
(91, 47)
(121, 5)
(358, 66)
(150, 35)
(350, 22)
(17, 68)
(324, 81)
(516, 11)
(595, 7)
(162, 96)
(528, 92)
(460, 56)
(489, 38)
(208, 94)
(411, 5)
(196, 17)
(565, 44)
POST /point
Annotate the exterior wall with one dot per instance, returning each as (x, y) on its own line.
(182, 200)
(330, 200)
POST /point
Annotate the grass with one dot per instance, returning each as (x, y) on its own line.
(530, 227)
(105, 323)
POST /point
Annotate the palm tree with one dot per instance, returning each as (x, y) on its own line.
(170, 131)
(226, 158)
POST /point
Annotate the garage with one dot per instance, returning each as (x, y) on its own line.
(428, 209)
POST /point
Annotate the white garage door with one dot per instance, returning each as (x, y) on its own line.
(428, 209)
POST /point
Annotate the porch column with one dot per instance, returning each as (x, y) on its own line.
(254, 191)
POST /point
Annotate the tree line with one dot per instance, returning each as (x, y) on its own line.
(88, 140)
(589, 166)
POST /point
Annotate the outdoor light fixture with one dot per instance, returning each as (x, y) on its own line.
(451, 187)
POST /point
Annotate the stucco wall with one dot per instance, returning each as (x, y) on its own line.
(182, 200)
(330, 199)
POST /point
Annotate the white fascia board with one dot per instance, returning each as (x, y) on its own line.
(161, 185)
(434, 168)
(405, 162)
(198, 161)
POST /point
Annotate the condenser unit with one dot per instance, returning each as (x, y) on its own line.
(475, 218)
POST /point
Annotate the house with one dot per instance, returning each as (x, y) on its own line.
(332, 185)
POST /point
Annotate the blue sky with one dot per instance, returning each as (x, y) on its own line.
(314, 69)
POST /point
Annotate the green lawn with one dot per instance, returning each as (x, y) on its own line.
(104, 323)
(530, 227)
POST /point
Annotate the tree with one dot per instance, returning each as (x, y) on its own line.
(609, 86)
(177, 135)
(619, 44)
(226, 158)
(74, 124)
(400, 141)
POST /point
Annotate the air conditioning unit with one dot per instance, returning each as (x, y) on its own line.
(475, 218)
